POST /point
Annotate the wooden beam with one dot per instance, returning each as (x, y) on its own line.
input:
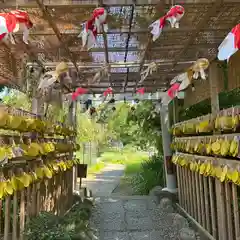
(217, 4)
(91, 4)
(132, 49)
(85, 66)
(75, 32)
(56, 30)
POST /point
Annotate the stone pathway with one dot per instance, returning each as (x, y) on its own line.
(138, 218)
(133, 217)
(106, 181)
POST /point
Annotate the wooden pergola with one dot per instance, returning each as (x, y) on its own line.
(126, 47)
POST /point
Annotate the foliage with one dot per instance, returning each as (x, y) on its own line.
(226, 100)
(91, 131)
(95, 168)
(125, 157)
(151, 174)
(72, 226)
(146, 125)
(17, 99)
(139, 125)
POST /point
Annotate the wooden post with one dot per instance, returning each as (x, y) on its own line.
(175, 110)
(166, 141)
(72, 116)
(214, 76)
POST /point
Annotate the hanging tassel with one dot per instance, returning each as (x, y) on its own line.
(157, 28)
(107, 92)
(199, 68)
(100, 16)
(141, 91)
(152, 67)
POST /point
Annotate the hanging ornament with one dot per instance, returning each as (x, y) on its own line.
(173, 16)
(78, 92)
(12, 22)
(81, 91)
(199, 68)
(74, 96)
(48, 78)
(152, 67)
(108, 92)
(141, 91)
(230, 45)
(88, 34)
(102, 73)
(93, 26)
(184, 79)
(100, 17)
(172, 91)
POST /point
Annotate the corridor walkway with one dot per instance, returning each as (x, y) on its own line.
(135, 217)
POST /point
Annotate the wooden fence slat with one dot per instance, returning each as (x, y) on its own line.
(221, 217)
(191, 186)
(15, 216)
(38, 198)
(236, 212)
(213, 208)
(28, 202)
(22, 213)
(194, 196)
(186, 189)
(203, 211)
(34, 199)
(199, 219)
(7, 218)
(1, 217)
(179, 185)
(229, 210)
(206, 203)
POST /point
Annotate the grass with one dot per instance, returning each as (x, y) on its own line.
(124, 157)
(130, 158)
(95, 168)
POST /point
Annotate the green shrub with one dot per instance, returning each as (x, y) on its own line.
(151, 174)
(71, 226)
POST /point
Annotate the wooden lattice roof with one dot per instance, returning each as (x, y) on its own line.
(127, 46)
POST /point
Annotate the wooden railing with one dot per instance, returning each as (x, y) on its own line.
(51, 190)
(208, 179)
(47, 195)
(214, 205)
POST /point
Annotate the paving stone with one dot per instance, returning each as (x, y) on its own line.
(117, 224)
(179, 221)
(132, 205)
(164, 234)
(115, 235)
(187, 234)
(137, 218)
(137, 213)
(155, 191)
(140, 235)
(166, 205)
(136, 223)
(152, 203)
